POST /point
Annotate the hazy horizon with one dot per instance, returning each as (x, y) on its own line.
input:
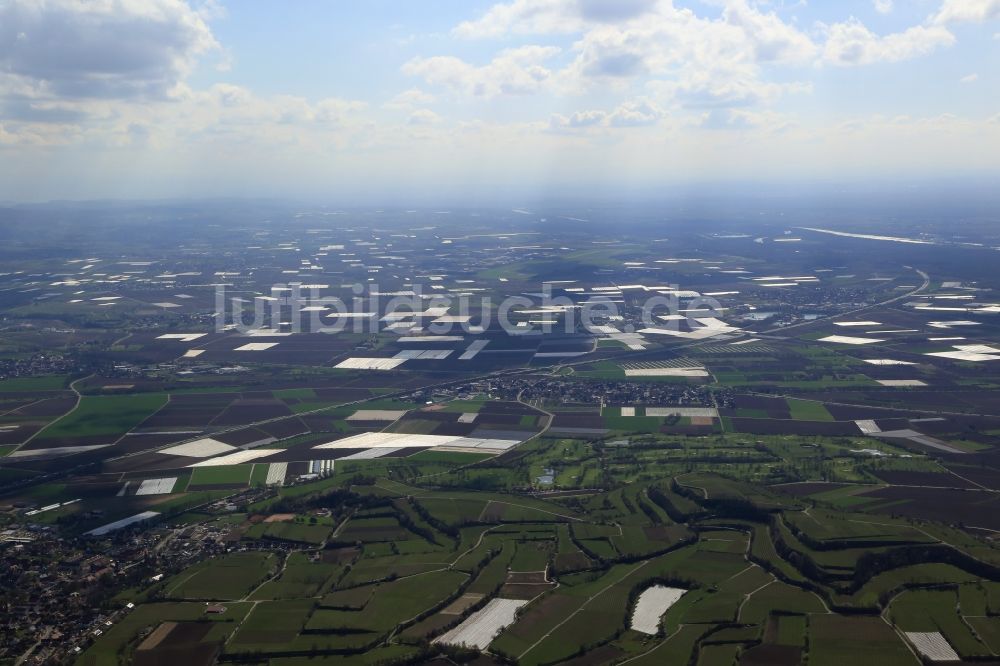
(483, 100)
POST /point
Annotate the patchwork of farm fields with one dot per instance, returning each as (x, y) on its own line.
(692, 568)
(802, 467)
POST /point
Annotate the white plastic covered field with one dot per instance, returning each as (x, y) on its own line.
(932, 645)
(182, 337)
(666, 372)
(376, 415)
(850, 340)
(868, 426)
(276, 473)
(652, 604)
(362, 363)
(479, 629)
(201, 448)
(156, 486)
(394, 440)
(237, 457)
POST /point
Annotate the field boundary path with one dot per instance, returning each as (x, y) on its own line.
(580, 608)
(655, 647)
(79, 399)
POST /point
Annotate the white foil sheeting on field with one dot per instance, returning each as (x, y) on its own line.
(978, 349)
(202, 448)
(124, 522)
(651, 605)
(156, 486)
(237, 458)
(666, 372)
(697, 334)
(424, 354)
(932, 645)
(971, 357)
(868, 426)
(849, 340)
(183, 337)
(360, 363)
(257, 346)
(376, 415)
(395, 440)
(473, 349)
(369, 454)
(276, 473)
(479, 629)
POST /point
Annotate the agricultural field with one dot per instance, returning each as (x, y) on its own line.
(103, 416)
(813, 455)
(228, 578)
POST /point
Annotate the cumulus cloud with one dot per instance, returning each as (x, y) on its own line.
(632, 113)
(770, 38)
(851, 43)
(954, 11)
(734, 87)
(408, 99)
(666, 85)
(613, 10)
(627, 39)
(637, 113)
(551, 16)
(423, 117)
(883, 6)
(101, 49)
(225, 115)
(579, 120)
(969, 78)
(518, 71)
(745, 120)
(681, 56)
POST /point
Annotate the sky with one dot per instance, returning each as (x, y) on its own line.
(483, 100)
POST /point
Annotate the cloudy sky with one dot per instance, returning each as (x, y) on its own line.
(397, 99)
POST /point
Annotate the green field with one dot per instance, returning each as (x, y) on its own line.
(935, 610)
(290, 531)
(301, 577)
(272, 624)
(807, 410)
(226, 578)
(220, 475)
(370, 555)
(837, 640)
(32, 384)
(105, 416)
(123, 636)
(258, 476)
(405, 549)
